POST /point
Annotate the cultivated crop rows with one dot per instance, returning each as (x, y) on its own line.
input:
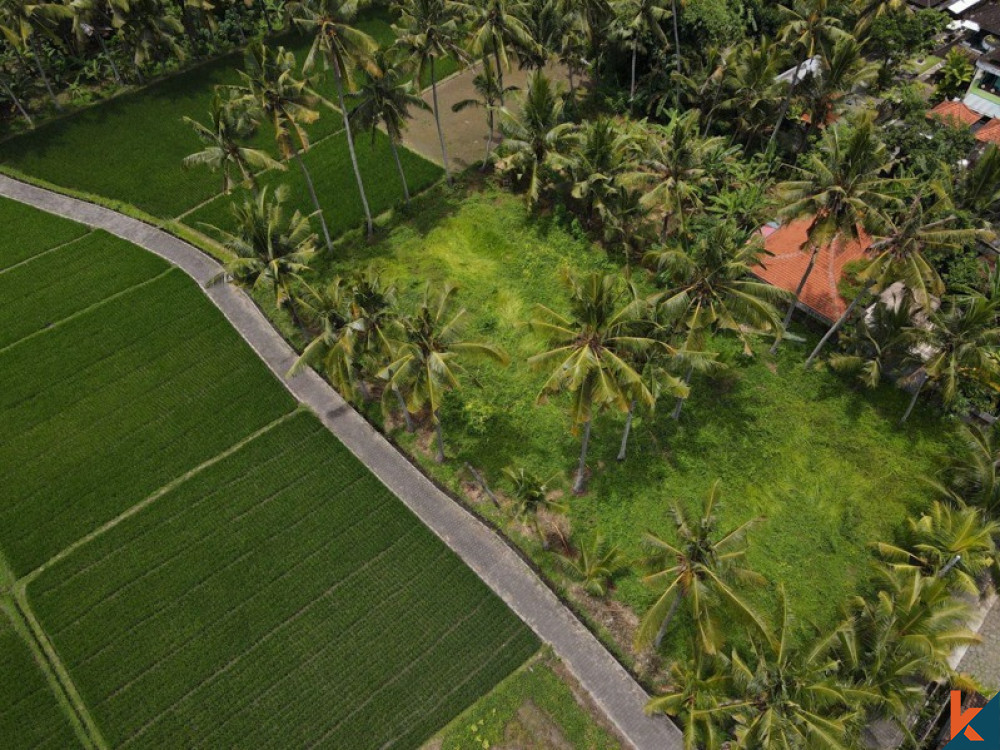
(115, 403)
(28, 232)
(30, 717)
(280, 598)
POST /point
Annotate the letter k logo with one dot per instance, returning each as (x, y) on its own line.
(960, 719)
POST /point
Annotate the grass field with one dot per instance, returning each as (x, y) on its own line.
(210, 565)
(821, 462)
(130, 148)
(28, 232)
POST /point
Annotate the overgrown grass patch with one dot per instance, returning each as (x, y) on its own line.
(282, 597)
(102, 410)
(28, 232)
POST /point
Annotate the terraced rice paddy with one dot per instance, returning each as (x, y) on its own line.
(205, 565)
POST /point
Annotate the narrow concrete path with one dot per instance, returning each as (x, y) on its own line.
(612, 688)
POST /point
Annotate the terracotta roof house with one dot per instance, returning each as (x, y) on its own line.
(954, 113)
(989, 133)
(788, 261)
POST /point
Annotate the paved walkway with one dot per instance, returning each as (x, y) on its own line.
(465, 132)
(610, 685)
(982, 660)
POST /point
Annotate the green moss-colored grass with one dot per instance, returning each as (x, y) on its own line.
(329, 164)
(533, 708)
(30, 715)
(27, 232)
(281, 598)
(821, 462)
(130, 148)
(102, 410)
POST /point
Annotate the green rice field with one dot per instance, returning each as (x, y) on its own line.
(192, 561)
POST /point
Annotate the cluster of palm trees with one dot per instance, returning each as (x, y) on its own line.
(795, 686)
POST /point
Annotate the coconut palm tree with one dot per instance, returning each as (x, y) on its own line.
(229, 124)
(22, 22)
(597, 565)
(385, 97)
(709, 289)
(973, 475)
(343, 48)
(533, 133)
(699, 570)
(491, 93)
(979, 190)
(899, 256)
(842, 187)
(269, 251)
(498, 30)
(809, 28)
(957, 347)
(269, 83)
(589, 358)
(751, 94)
(9, 91)
(425, 363)
(841, 70)
(91, 19)
(637, 20)
(149, 32)
(428, 31)
(530, 494)
(958, 539)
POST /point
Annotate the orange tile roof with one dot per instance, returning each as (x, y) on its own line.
(990, 132)
(954, 113)
(789, 262)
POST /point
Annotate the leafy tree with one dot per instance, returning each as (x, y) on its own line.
(229, 125)
(149, 31)
(491, 93)
(343, 48)
(955, 74)
(22, 22)
(428, 31)
(842, 188)
(269, 83)
(425, 363)
(533, 134)
(88, 18)
(269, 251)
(589, 357)
(699, 570)
(385, 98)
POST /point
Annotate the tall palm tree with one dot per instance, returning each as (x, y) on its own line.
(385, 98)
(751, 94)
(899, 256)
(638, 19)
(709, 289)
(533, 133)
(89, 16)
(973, 474)
(809, 28)
(428, 31)
(791, 693)
(22, 22)
(7, 89)
(149, 32)
(498, 30)
(269, 251)
(491, 93)
(269, 83)
(842, 187)
(425, 364)
(590, 351)
(343, 48)
(229, 124)
(700, 570)
(979, 190)
(842, 70)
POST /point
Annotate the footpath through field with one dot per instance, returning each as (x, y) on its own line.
(500, 567)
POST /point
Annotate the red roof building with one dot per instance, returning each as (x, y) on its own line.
(989, 133)
(954, 114)
(790, 256)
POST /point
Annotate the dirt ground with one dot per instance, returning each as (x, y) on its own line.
(465, 132)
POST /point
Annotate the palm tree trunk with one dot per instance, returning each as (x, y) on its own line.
(572, 84)
(676, 413)
(312, 194)
(580, 483)
(437, 119)
(913, 401)
(496, 57)
(41, 71)
(399, 166)
(440, 439)
(791, 307)
(631, 88)
(677, 53)
(110, 59)
(489, 139)
(293, 311)
(625, 433)
(350, 147)
(835, 327)
(784, 106)
(17, 102)
(666, 621)
(406, 412)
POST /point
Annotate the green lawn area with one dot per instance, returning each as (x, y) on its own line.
(207, 561)
(130, 148)
(819, 461)
(533, 708)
